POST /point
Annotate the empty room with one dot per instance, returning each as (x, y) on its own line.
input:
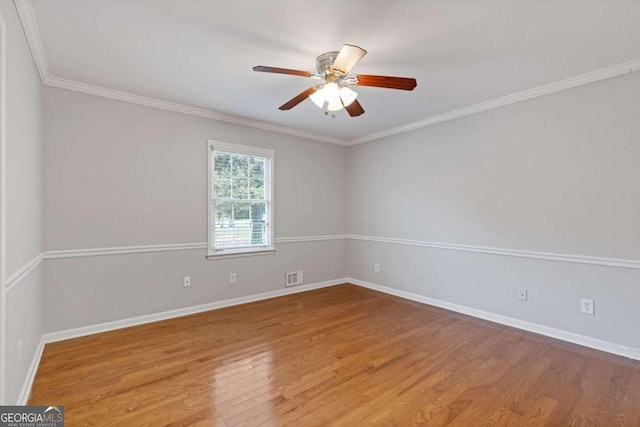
(312, 213)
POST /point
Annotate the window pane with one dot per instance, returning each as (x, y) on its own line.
(259, 224)
(241, 211)
(240, 188)
(222, 187)
(222, 164)
(240, 224)
(223, 223)
(223, 214)
(256, 167)
(239, 165)
(256, 188)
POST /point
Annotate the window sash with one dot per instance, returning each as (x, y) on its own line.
(240, 229)
(224, 245)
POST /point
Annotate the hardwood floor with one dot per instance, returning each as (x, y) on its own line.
(343, 356)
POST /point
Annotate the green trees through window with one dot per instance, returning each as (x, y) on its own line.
(240, 199)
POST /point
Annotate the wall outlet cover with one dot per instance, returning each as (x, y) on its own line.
(587, 306)
(522, 294)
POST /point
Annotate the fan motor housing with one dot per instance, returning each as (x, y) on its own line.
(324, 62)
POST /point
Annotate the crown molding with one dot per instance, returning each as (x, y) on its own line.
(582, 79)
(30, 26)
(184, 109)
(27, 16)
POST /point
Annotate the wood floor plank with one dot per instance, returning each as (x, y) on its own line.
(339, 356)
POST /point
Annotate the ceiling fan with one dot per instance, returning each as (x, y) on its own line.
(333, 94)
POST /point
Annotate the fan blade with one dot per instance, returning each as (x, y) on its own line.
(354, 109)
(348, 56)
(264, 69)
(403, 83)
(298, 99)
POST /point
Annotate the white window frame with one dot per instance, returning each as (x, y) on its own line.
(227, 147)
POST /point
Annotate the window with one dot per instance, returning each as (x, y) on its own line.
(240, 193)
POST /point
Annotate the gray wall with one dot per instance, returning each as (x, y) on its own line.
(24, 202)
(556, 174)
(553, 174)
(119, 174)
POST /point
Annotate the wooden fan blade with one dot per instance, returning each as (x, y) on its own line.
(354, 109)
(348, 56)
(297, 99)
(265, 69)
(403, 83)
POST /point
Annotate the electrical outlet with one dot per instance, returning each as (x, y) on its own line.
(376, 267)
(233, 278)
(186, 281)
(522, 294)
(587, 306)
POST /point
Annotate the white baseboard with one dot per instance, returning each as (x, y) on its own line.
(134, 321)
(504, 320)
(25, 391)
(571, 337)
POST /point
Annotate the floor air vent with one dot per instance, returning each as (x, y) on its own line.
(294, 278)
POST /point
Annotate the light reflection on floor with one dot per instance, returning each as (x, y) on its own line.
(243, 385)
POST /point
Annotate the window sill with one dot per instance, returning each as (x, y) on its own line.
(240, 254)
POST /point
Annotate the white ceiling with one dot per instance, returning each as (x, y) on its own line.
(200, 53)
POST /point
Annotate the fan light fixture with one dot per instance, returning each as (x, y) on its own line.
(333, 94)
(332, 97)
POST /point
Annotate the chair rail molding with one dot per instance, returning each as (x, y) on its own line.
(75, 253)
(548, 256)
(23, 271)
